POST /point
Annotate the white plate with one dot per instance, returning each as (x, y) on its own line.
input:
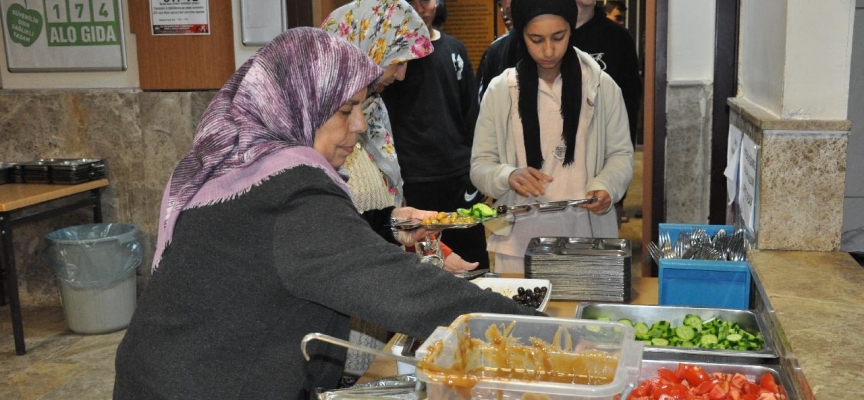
(510, 287)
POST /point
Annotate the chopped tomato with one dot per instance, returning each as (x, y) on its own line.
(719, 391)
(738, 381)
(642, 390)
(681, 370)
(734, 394)
(668, 375)
(704, 387)
(767, 382)
(670, 391)
(750, 396)
(696, 375)
(751, 388)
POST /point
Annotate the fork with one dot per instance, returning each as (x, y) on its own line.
(655, 252)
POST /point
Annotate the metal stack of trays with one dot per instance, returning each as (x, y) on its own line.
(66, 171)
(586, 269)
(76, 171)
(31, 172)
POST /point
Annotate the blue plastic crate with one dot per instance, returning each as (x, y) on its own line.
(703, 283)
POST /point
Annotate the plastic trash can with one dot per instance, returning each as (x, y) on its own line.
(95, 265)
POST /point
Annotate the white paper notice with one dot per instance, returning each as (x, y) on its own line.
(747, 194)
(733, 159)
(180, 17)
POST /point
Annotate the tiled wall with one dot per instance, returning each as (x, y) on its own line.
(141, 135)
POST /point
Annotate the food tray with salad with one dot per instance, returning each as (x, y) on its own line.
(462, 218)
(691, 333)
(694, 380)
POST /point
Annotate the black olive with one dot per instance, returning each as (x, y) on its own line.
(520, 290)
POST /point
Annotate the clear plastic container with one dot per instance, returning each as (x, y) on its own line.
(549, 357)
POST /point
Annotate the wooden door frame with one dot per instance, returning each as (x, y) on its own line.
(299, 13)
(654, 102)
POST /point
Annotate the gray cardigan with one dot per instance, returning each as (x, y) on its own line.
(609, 155)
(244, 280)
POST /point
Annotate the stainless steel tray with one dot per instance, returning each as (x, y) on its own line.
(74, 164)
(747, 319)
(752, 372)
(579, 246)
(543, 207)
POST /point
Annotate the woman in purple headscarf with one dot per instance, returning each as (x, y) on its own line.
(259, 243)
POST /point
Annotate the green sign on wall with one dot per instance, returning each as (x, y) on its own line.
(63, 35)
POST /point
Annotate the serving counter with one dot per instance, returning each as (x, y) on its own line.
(814, 304)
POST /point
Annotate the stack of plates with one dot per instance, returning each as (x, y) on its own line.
(69, 171)
(588, 269)
(75, 171)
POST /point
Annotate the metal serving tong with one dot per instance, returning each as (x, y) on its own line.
(543, 207)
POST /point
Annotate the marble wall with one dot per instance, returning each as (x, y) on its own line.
(141, 135)
(801, 176)
(688, 151)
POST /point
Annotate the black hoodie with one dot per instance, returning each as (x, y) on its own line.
(614, 49)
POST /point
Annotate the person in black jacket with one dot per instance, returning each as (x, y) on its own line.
(614, 49)
(496, 58)
(433, 112)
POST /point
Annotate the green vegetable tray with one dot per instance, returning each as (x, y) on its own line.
(746, 320)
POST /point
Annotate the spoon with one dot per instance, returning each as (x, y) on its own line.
(344, 343)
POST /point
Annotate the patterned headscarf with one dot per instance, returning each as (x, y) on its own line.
(263, 121)
(390, 32)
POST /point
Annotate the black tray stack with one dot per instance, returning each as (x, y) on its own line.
(6, 172)
(71, 172)
(63, 171)
(586, 269)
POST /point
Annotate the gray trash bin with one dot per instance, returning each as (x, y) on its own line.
(95, 265)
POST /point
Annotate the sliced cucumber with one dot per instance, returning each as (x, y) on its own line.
(692, 321)
(734, 337)
(641, 329)
(685, 332)
(707, 340)
(626, 321)
(659, 342)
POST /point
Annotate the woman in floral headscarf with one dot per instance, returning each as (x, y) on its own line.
(259, 243)
(391, 33)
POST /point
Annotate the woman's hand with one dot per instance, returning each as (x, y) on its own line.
(408, 238)
(602, 205)
(455, 264)
(411, 212)
(528, 182)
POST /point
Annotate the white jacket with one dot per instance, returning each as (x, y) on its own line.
(609, 153)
